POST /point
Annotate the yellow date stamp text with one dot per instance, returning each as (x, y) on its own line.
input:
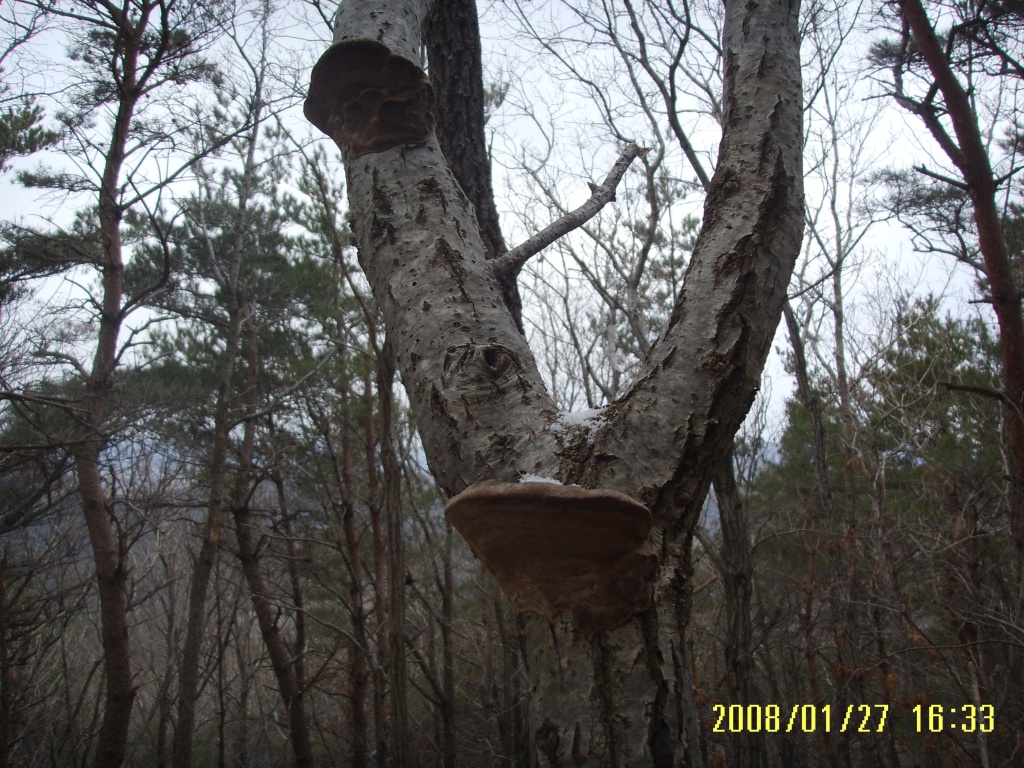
(800, 718)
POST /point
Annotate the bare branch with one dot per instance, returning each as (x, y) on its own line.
(989, 392)
(510, 263)
(925, 171)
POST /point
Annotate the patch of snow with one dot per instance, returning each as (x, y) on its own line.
(589, 419)
(581, 418)
(528, 478)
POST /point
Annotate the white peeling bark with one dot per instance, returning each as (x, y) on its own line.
(621, 696)
(703, 373)
(478, 399)
(397, 24)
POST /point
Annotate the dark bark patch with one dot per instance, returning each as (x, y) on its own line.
(480, 374)
(769, 147)
(381, 201)
(762, 65)
(555, 548)
(449, 258)
(546, 739)
(381, 229)
(362, 95)
(439, 409)
(604, 701)
(662, 750)
(431, 187)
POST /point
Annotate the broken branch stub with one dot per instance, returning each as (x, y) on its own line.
(555, 548)
(363, 95)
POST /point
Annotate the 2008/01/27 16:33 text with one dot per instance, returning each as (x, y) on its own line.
(854, 718)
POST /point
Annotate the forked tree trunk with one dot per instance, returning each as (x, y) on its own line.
(614, 693)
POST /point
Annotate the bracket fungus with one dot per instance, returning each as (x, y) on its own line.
(556, 548)
(363, 95)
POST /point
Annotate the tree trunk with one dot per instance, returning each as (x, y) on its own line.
(737, 572)
(108, 549)
(281, 658)
(452, 37)
(449, 748)
(7, 677)
(973, 163)
(395, 558)
(610, 694)
(373, 501)
(188, 676)
(357, 648)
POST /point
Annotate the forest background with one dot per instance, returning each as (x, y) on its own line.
(258, 526)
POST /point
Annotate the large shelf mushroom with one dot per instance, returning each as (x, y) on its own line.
(364, 96)
(557, 548)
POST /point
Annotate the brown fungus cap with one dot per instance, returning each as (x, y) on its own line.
(363, 95)
(556, 548)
